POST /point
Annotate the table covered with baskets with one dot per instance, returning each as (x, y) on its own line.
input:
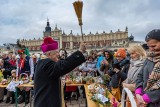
(12, 84)
(97, 95)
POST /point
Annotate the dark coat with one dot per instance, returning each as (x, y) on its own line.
(117, 78)
(47, 83)
(141, 81)
(8, 68)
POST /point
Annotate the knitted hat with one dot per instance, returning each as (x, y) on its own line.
(154, 34)
(49, 44)
(121, 53)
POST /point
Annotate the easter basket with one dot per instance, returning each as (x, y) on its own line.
(24, 78)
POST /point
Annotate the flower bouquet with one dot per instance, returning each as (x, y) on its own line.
(89, 80)
(100, 100)
(100, 95)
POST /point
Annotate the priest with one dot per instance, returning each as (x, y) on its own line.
(47, 81)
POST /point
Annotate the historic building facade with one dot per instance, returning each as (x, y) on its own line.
(69, 42)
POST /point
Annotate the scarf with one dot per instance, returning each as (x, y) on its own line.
(153, 82)
(12, 62)
(21, 63)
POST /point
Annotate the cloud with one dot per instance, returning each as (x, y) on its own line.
(27, 19)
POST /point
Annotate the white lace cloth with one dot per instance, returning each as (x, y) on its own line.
(12, 85)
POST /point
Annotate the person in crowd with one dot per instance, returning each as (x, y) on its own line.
(62, 54)
(107, 63)
(7, 66)
(35, 61)
(5, 56)
(89, 67)
(9, 94)
(119, 72)
(24, 65)
(43, 56)
(91, 52)
(138, 55)
(148, 80)
(47, 82)
(100, 58)
(1, 67)
(10, 54)
(38, 56)
(12, 60)
(95, 55)
(1, 77)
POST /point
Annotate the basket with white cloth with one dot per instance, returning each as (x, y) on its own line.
(24, 77)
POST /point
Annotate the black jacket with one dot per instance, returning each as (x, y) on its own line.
(117, 78)
(8, 68)
(47, 82)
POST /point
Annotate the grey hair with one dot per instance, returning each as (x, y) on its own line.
(49, 52)
(139, 50)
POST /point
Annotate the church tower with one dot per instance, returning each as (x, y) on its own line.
(47, 31)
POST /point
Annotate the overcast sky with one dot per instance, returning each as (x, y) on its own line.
(27, 18)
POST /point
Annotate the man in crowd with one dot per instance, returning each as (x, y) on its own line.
(24, 66)
(47, 81)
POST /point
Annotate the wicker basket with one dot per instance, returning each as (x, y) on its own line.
(24, 77)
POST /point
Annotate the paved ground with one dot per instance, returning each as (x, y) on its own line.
(70, 103)
(81, 102)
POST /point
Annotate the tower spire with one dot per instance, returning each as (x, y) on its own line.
(48, 25)
(126, 29)
(47, 29)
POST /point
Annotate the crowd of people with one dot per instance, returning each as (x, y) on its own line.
(12, 67)
(136, 68)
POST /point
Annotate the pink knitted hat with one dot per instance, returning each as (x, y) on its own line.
(49, 44)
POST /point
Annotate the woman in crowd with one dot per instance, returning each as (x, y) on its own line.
(62, 54)
(89, 67)
(138, 55)
(106, 64)
(94, 54)
(118, 72)
(148, 80)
